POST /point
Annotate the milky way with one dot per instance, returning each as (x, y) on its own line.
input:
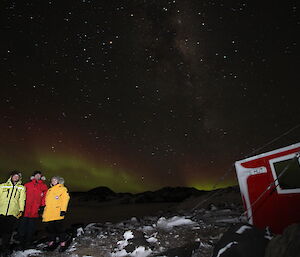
(137, 95)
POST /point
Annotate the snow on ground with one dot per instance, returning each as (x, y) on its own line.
(143, 251)
(149, 236)
(175, 221)
(26, 253)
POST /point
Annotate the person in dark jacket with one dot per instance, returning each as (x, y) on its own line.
(12, 202)
(36, 191)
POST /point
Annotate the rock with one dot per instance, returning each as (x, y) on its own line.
(212, 207)
(287, 244)
(183, 251)
(137, 241)
(242, 240)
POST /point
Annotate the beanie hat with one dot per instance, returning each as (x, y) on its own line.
(37, 172)
(15, 172)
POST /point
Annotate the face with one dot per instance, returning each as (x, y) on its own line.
(54, 181)
(15, 178)
(37, 176)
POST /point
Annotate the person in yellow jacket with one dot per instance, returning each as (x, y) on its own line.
(56, 204)
(12, 203)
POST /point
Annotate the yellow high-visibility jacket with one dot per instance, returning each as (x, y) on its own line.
(12, 198)
(57, 199)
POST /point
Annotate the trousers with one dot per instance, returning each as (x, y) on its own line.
(56, 230)
(27, 227)
(7, 225)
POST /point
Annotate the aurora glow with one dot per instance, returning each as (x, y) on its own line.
(86, 175)
(79, 173)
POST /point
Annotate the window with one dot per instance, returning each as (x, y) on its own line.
(287, 172)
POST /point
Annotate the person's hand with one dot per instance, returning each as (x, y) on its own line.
(62, 213)
(20, 214)
(41, 210)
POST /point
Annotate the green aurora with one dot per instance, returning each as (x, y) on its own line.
(82, 174)
(79, 174)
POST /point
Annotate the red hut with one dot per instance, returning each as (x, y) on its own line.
(270, 187)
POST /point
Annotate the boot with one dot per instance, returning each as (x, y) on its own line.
(52, 245)
(64, 245)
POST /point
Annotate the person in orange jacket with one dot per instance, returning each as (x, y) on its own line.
(57, 199)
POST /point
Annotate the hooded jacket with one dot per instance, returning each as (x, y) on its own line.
(12, 198)
(57, 199)
(35, 197)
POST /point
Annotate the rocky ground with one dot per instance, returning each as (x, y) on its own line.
(188, 228)
(205, 224)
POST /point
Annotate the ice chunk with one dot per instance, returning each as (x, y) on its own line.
(128, 235)
(175, 221)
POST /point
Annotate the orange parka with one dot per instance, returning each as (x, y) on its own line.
(57, 199)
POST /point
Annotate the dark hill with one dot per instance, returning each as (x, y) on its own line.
(166, 194)
(102, 192)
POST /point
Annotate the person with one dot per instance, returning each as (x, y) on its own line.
(35, 202)
(57, 199)
(12, 203)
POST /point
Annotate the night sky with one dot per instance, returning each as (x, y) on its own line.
(137, 95)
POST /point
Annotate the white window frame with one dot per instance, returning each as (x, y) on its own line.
(279, 159)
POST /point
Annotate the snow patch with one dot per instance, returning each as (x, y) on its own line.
(268, 234)
(175, 221)
(80, 231)
(31, 252)
(147, 228)
(120, 253)
(268, 237)
(141, 252)
(242, 229)
(72, 248)
(123, 243)
(138, 252)
(224, 249)
(152, 240)
(128, 235)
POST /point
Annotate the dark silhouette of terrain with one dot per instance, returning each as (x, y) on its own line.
(166, 194)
